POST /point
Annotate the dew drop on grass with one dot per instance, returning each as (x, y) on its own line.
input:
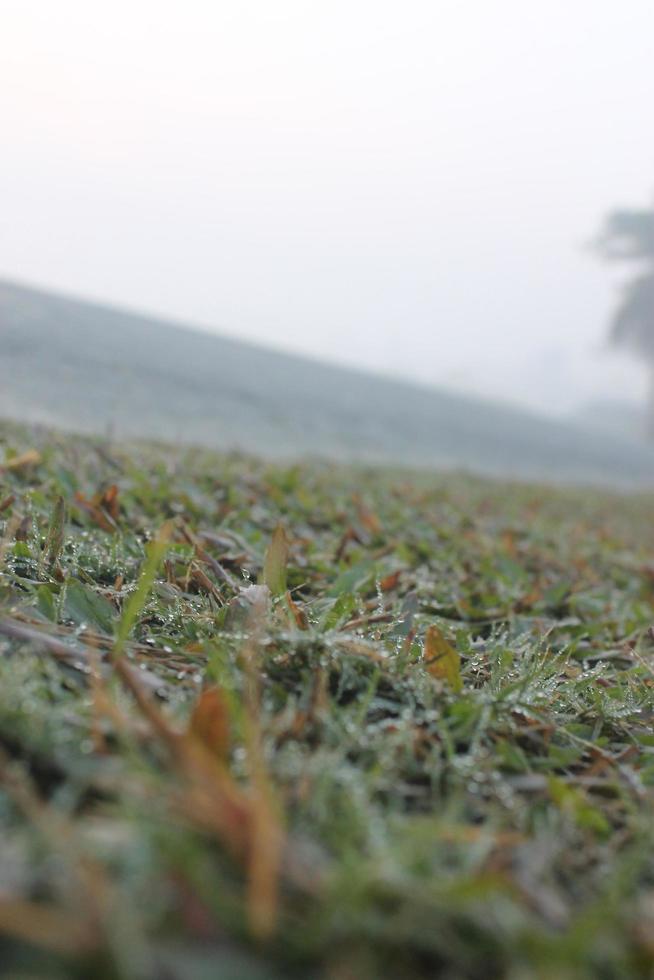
(380, 597)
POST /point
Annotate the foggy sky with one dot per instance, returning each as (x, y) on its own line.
(404, 186)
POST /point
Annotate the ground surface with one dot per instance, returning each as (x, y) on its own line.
(410, 735)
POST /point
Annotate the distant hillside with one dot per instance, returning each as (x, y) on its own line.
(622, 419)
(94, 368)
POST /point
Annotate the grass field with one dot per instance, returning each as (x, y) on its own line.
(261, 721)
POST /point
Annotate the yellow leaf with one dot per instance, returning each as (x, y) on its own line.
(31, 458)
(442, 660)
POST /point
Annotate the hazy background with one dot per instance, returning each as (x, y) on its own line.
(403, 186)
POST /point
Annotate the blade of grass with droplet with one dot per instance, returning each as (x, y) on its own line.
(155, 552)
(274, 567)
(55, 539)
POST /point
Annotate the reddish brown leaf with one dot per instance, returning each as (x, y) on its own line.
(367, 518)
(298, 614)
(96, 513)
(389, 582)
(210, 722)
(109, 502)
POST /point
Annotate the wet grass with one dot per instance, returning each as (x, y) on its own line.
(261, 721)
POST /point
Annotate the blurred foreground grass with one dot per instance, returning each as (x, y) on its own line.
(262, 721)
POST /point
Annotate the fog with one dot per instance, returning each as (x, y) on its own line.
(406, 187)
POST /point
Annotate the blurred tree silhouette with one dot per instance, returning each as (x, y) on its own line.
(628, 236)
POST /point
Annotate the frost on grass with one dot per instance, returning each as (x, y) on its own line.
(319, 722)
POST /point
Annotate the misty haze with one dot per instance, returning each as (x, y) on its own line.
(326, 472)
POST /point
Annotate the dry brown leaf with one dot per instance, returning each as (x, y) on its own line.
(389, 582)
(298, 614)
(370, 521)
(109, 502)
(96, 513)
(45, 926)
(7, 502)
(210, 722)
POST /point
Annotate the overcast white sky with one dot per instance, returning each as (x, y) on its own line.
(406, 186)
